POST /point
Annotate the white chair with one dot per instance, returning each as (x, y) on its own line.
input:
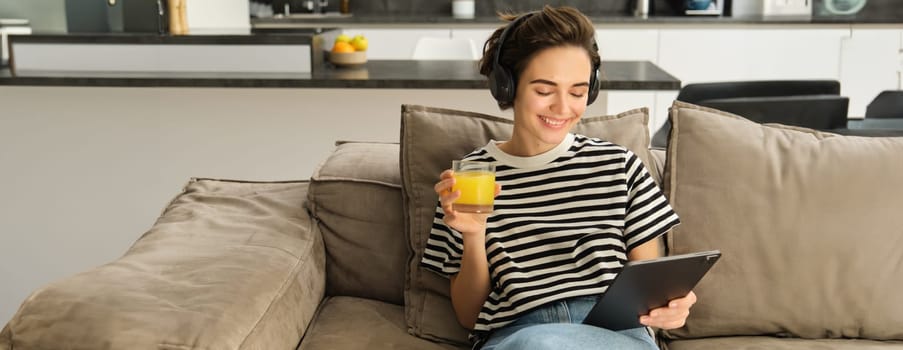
(444, 49)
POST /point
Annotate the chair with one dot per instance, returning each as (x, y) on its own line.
(815, 104)
(444, 49)
(883, 116)
(888, 104)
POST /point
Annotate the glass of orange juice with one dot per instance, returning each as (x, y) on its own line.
(476, 181)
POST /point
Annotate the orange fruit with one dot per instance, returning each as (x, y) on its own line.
(342, 47)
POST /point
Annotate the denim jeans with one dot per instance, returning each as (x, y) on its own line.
(559, 326)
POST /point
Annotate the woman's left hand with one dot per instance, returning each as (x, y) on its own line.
(672, 316)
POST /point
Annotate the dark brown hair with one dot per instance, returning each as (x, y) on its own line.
(551, 27)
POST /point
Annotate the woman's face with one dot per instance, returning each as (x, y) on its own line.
(551, 97)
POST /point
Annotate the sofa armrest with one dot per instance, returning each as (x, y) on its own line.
(228, 265)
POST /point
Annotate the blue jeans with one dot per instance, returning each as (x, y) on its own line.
(559, 325)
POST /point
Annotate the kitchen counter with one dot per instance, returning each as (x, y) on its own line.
(375, 74)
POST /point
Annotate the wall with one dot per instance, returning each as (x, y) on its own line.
(45, 15)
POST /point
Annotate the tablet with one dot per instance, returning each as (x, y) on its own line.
(648, 284)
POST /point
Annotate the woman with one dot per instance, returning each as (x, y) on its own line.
(569, 212)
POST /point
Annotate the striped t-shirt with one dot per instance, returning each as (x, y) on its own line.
(561, 226)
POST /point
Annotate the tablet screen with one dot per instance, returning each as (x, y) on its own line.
(644, 285)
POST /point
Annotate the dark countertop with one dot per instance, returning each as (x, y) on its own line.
(376, 74)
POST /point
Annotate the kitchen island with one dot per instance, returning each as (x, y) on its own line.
(375, 74)
(90, 158)
(260, 126)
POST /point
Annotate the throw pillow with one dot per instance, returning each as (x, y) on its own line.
(809, 224)
(430, 139)
(354, 197)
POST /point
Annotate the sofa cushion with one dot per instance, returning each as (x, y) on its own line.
(228, 265)
(773, 343)
(430, 139)
(355, 195)
(348, 323)
(809, 224)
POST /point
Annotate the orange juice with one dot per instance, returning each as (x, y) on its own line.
(477, 191)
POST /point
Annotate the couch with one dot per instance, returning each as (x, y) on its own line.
(808, 223)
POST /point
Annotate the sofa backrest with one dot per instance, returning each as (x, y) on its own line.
(355, 196)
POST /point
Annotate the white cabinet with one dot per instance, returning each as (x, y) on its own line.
(870, 63)
(628, 44)
(865, 59)
(618, 44)
(218, 16)
(617, 101)
(725, 54)
(614, 44)
(394, 44)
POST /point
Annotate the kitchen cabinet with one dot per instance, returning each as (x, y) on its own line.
(870, 63)
(217, 16)
(864, 58)
(706, 55)
(628, 44)
(632, 44)
(614, 44)
(620, 101)
(657, 102)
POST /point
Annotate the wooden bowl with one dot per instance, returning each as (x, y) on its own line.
(347, 59)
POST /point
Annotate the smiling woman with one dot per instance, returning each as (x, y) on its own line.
(569, 211)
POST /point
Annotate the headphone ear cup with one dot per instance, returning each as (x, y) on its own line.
(593, 87)
(501, 84)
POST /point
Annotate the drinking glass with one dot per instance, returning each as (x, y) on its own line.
(476, 181)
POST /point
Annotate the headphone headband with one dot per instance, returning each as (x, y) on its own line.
(497, 60)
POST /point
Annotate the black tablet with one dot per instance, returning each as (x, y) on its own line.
(648, 284)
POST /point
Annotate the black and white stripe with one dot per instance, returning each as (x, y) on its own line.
(561, 226)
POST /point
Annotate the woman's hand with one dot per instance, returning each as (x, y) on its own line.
(466, 223)
(672, 316)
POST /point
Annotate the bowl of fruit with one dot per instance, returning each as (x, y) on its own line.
(348, 51)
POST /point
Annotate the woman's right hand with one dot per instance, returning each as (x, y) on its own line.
(467, 223)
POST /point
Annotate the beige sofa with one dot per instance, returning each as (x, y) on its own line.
(808, 223)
